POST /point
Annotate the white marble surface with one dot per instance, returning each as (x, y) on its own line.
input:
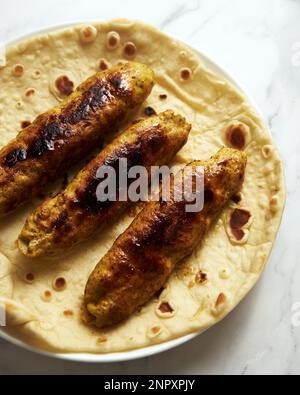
(259, 43)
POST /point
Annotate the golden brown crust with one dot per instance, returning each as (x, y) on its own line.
(64, 135)
(75, 214)
(142, 259)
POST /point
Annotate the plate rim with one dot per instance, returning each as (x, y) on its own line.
(150, 350)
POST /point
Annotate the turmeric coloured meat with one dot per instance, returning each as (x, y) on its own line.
(143, 258)
(76, 213)
(62, 136)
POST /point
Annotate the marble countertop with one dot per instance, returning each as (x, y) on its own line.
(259, 43)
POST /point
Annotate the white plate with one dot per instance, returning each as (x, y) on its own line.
(144, 352)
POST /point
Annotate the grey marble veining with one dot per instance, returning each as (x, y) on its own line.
(259, 43)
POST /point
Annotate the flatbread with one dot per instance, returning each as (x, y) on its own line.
(40, 315)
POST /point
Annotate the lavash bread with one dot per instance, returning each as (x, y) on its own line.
(43, 299)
